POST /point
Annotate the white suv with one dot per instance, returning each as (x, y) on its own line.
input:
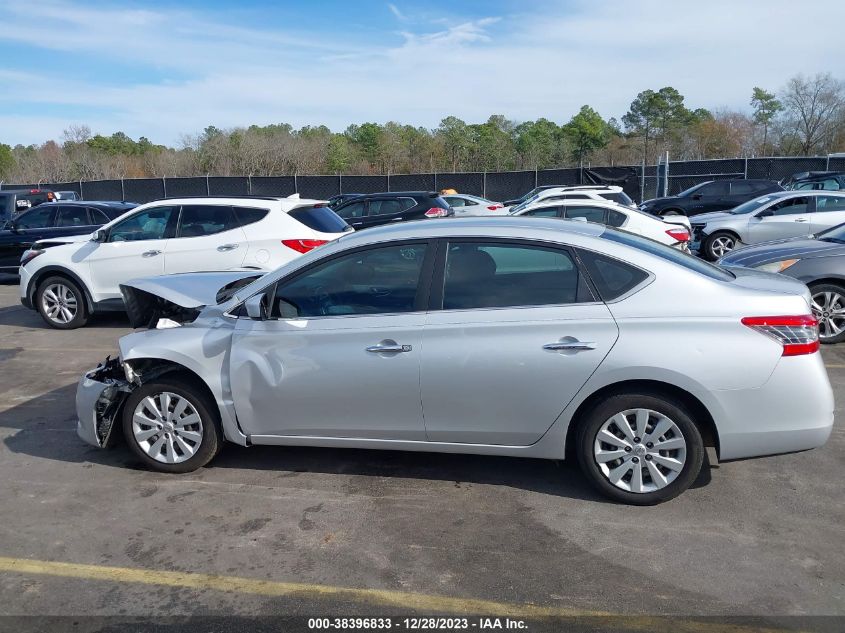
(600, 193)
(66, 282)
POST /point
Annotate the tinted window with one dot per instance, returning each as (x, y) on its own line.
(612, 278)
(591, 214)
(830, 203)
(619, 198)
(760, 185)
(790, 207)
(714, 189)
(455, 202)
(615, 218)
(831, 184)
(321, 219)
(352, 210)
(375, 281)
(743, 188)
(751, 205)
(386, 207)
(198, 220)
(72, 216)
(572, 196)
(98, 217)
(495, 275)
(36, 219)
(545, 212)
(146, 225)
(668, 253)
(245, 215)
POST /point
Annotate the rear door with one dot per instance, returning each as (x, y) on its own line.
(518, 335)
(207, 238)
(355, 213)
(388, 210)
(830, 212)
(714, 196)
(789, 218)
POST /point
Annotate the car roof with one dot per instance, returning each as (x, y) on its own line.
(402, 193)
(89, 203)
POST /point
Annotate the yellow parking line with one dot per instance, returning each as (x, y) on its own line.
(408, 601)
(834, 366)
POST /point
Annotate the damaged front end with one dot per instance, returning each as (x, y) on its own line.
(99, 398)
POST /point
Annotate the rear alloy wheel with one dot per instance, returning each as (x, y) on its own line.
(640, 449)
(170, 425)
(670, 213)
(829, 308)
(718, 245)
(61, 303)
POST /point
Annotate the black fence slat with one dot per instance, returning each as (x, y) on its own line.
(186, 187)
(101, 190)
(143, 190)
(509, 185)
(228, 186)
(410, 182)
(359, 184)
(272, 185)
(320, 187)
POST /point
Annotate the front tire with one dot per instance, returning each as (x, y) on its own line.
(671, 213)
(61, 303)
(639, 448)
(829, 308)
(171, 425)
(718, 245)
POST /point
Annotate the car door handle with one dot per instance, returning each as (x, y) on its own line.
(227, 247)
(150, 253)
(389, 347)
(574, 346)
(800, 219)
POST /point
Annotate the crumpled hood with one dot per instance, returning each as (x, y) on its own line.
(179, 297)
(778, 250)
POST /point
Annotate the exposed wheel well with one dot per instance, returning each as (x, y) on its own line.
(45, 273)
(700, 415)
(153, 368)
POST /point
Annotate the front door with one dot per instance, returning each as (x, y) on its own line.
(134, 248)
(28, 227)
(207, 238)
(339, 354)
(518, 336)
(790, 218)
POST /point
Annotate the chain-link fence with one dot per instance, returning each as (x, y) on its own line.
(640, 182)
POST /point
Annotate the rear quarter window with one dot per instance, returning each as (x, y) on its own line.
(612, 277)
(248, 215)
(321, 219)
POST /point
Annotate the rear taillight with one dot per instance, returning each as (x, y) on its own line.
(797, 334)
(303, 246)
(29, 255)
(436, 212)
(680, 235)
(493, 207)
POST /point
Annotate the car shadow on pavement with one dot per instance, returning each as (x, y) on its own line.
(20, 316)
(46, 429)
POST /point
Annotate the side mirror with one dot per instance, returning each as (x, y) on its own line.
(100, 236)
(765, 214)
(10, 226)
(256, 307)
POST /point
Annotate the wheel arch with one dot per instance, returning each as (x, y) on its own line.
(828, 280)
(58, 271)
(700, 414)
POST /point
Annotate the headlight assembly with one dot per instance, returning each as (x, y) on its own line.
(778, 267)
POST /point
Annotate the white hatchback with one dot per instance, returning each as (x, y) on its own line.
(66, 282)
(672, 230)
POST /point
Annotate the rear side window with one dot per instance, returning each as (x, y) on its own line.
(198, 220)
(498, 275)
(590, 214)
(352, 210)
(830, 203)
(545, 212)
(386, 207)
(615, 218)
(619, 198)
(98, 217)
(742, 188)
(321, 219)
(611, 277)
(246, 215)
(668, 253)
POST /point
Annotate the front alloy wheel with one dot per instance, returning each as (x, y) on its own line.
(61, 303)
(718, 245)
(829, 308)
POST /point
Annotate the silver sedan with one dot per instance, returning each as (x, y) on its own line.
(497, 336)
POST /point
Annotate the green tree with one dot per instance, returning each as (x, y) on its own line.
(539, 143)
(7, 161)
(766, 108)
(456, 139)
(339, 154)
(586, 132)
(656, 115)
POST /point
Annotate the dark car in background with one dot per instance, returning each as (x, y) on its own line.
(818, 261)
(339, 199)
(714, 195)
(15, 201)
(373, 209)
(814, 180)
(525, 196)
(53, 219)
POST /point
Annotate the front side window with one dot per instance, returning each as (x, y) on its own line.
(386, 207)
(793, 206)
(830, 203)
(72, 216)
(499, 275)
(714, 189)
(198, 220)
(742, 188)
(380, 280)
(36, 219)
(146, 225)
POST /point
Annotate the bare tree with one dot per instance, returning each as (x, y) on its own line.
(813, 107)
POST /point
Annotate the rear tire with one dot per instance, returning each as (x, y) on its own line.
(718, 245)
(829, 309)
(61, 303)
(671, 212)
(171, 425)
(629, 465)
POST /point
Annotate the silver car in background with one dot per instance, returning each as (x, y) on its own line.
(496, 336)
(774, 216)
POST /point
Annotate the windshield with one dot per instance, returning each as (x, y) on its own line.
(524, 204)
(691, 190)
(751, 205)
(836, 234)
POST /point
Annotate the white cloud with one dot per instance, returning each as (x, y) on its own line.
(547, 63)
(396, 12)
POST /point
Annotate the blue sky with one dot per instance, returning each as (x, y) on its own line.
(166, 69)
